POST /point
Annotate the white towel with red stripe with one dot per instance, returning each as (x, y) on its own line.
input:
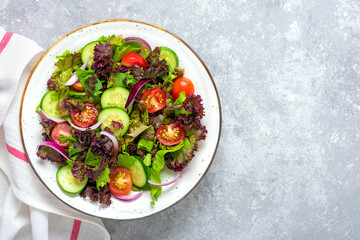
(27, 209)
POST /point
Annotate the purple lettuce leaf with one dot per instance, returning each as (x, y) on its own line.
(84, 138)
(103, 195)
(79, 169)
(102, 146)
(156, 67)
(179, 72)
(45, 152)
(194, 106)
(93, 173)
(102, 59)
(48, 126)
(194, 130)
(178, 160)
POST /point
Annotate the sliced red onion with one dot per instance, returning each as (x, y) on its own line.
(113, 139)
(74, 77)
(93, 127)
(56, 147)
(134, 91)
(46, 117)
(139, 40)
(167, 183)
(129, 198)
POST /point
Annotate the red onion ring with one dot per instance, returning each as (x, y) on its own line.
(134, 91)
(113, 139)
(129, 198)
(167, 183)
(56, 147)
(93, 127)
(74, 77)
(46, 117)
(139, 40)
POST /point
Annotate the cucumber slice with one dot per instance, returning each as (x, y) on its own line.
(68, 182)
(88, 52)
(138, 170)
(115, 97)
(139, 173)
(50, 104)
(170, 57)
(107, 115)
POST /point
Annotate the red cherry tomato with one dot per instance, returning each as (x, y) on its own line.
(155, 99)
(120, 181)
(132, 59)
(85, 117)
(171, 134)
(77, 86)
(182, 84)
(61, 129)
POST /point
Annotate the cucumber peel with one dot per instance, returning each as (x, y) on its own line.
(67, 182)
(88, 52)
(170, 57)
(138, 170)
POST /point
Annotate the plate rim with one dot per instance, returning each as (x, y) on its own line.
(137, 22)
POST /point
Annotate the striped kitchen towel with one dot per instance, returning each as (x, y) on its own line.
(27, 209)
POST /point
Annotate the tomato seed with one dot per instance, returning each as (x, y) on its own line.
(160, 97)
(120, 183)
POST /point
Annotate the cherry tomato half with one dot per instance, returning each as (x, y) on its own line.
(171, 134)
(132, 59)
(155, 99)
(77, 86)
(120, 181)
(182, 84)
(61, 129)
(85, 117)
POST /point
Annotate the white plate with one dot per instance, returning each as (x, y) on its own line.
(195, 69)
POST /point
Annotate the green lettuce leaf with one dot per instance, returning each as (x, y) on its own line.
(68, 60)
(130, 79)
(92, 160)
(159, 160)
(73, 152)
(157, 165)
(180, 99)
(145, 144)
(66, 54)
(91, 84)
(65, 67)
(83, 75)
(147, 159)
(120, 50)
(117, 41)
(121, 79)
(103, 178)
(126, 161)
(118, 79)
(69, 138)
(103, 39)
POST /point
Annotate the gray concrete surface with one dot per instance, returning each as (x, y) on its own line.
(287, 73)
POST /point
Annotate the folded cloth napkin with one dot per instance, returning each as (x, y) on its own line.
(27, 209)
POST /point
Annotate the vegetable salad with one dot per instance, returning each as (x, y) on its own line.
(116, 113)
